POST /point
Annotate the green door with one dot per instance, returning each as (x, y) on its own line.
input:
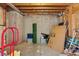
(34, 26)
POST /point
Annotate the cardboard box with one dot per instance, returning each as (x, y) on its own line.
(57, 41)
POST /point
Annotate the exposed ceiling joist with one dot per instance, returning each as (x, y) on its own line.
(39, 8)
(43, 11)
(14, 8)
(42, 7)
(4, 5)
(42, 4)
(75, 8)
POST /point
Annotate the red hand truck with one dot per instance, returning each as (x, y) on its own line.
(11, 45)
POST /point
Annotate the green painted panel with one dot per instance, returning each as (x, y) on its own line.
(34, 26)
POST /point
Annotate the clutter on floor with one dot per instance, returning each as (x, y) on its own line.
(72, 51)
(34, 22)
(16, 53)
(44, 38)
(35, 50)
(72, 45)
(5, 53)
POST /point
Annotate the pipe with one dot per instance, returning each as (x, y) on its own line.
(13, 7)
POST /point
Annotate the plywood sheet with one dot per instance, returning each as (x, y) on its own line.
(57, 42)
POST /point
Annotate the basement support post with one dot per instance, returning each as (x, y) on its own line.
(70, 20)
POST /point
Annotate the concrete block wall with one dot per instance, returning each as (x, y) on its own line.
(2, 10)
(15, 19)
(1, 29)
(44, 24)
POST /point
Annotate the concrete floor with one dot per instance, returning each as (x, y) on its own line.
(35, 50)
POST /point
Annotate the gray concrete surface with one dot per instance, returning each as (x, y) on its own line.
(35, 50)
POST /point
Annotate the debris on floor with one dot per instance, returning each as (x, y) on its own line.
(72, 51)
(16, 53)
(36, 50)
(5, 53)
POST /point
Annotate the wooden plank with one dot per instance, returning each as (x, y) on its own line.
(70, 20)
(42, 11)
(42, 4)
(41, 8)
(75, 8)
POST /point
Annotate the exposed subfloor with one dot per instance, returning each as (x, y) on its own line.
(35, 50)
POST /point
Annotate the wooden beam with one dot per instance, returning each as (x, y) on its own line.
(75, 8)
(39, 8)
(70, 21)
(42, 4)
(14, 8)
(43, 11)
(4, 5)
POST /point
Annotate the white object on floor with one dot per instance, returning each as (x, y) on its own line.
(16, 53)
(77, 53)
(5, 53)
(66, 51)
(43, 41)
(29, 40)
(38, 51)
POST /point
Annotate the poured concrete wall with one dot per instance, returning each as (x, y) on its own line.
(15, 19)
(44, 24)
(2, 14)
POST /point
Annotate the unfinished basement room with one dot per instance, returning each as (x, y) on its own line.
(39, 29)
